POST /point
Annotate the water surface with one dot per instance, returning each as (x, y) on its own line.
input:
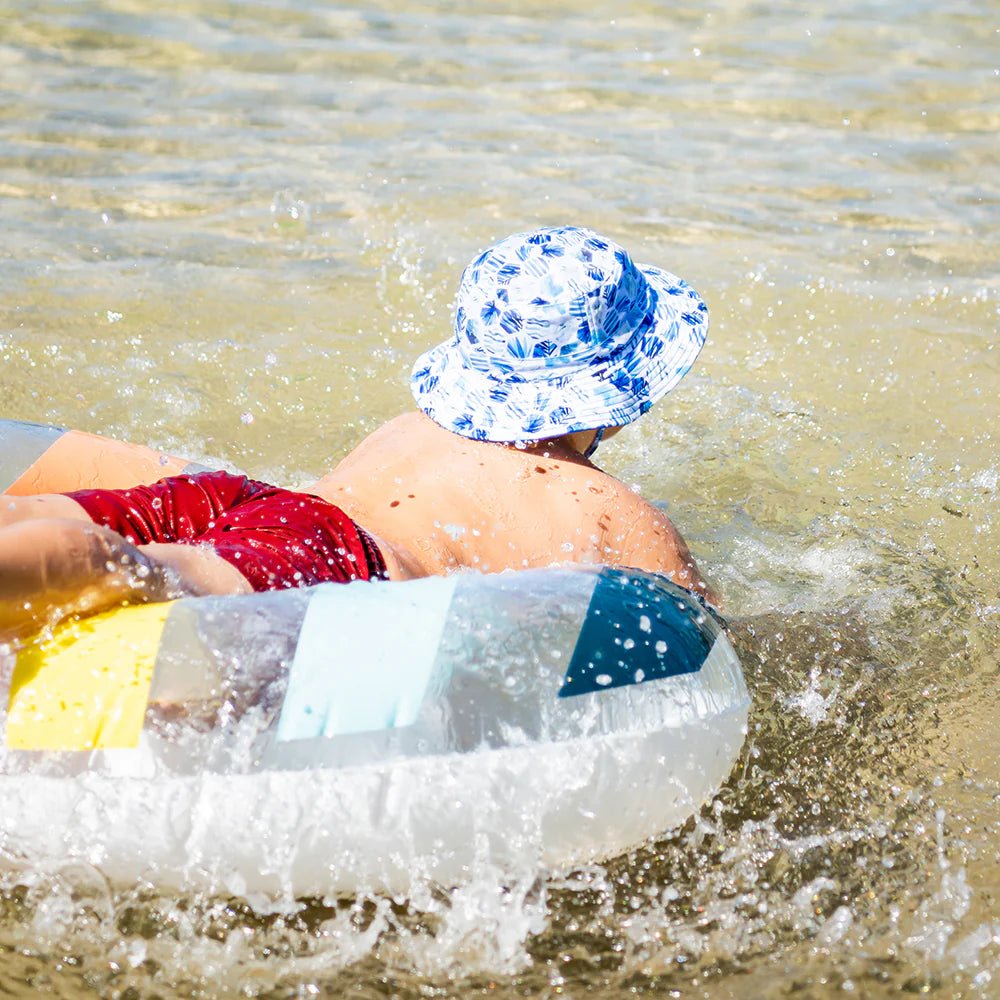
(228, 228)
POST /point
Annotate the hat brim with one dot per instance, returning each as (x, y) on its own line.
(613, 392)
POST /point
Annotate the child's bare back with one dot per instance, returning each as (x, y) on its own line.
(445, 502)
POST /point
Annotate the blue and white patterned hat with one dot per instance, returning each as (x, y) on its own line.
(558, 330)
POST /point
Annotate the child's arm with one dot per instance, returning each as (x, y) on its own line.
(51, 569)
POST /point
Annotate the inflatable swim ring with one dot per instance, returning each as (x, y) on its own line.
(347, 737)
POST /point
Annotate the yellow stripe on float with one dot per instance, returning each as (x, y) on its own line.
(86, 688)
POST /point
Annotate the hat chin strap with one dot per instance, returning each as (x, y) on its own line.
(598, 438)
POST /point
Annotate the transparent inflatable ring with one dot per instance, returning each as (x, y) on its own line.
(360, 736)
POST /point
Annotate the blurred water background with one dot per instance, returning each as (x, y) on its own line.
(229, 227)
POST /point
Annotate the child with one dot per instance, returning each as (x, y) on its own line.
(560, 340)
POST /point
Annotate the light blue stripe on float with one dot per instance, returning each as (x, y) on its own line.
(365, 657)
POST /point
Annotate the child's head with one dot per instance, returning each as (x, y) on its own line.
(557, 331)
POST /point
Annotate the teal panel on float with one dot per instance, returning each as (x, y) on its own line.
(365, 657)
(21, 445)
(638, 629)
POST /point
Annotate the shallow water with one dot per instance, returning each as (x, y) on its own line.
(229, 228)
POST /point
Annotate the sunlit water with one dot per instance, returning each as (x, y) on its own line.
(228, 228)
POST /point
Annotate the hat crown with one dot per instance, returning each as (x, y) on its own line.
(551, 299)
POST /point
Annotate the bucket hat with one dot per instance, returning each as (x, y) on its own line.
(556, 331)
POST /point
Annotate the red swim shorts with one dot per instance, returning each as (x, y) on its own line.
(276, 538)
